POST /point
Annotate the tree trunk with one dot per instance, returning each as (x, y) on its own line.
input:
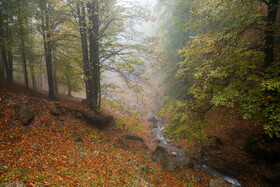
(69, 86)
(84, 43)
(47, 47)
(2, 71)
(269, 33)
(49, 68)
(94, 54)
(2, 66)
(23, 55)
(31, 67)
(3, 52)
(7, 62)
(6, 67)
(40, 76)
(10, 76)
(4, 59)
(55, 83)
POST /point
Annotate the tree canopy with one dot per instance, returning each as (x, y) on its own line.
(226, 55)
(71, 43)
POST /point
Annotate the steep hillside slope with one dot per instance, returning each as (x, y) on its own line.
(49, 143)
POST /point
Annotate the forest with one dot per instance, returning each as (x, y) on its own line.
(140, 93)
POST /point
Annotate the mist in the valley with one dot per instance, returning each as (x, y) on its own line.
(143, 29)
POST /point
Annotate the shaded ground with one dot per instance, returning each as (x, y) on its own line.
(225, 150)
(18, 87)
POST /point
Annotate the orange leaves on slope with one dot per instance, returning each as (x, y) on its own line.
(47, 154)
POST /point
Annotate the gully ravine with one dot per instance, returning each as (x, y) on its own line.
(159, 127)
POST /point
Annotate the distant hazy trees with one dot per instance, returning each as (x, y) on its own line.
(69, 41)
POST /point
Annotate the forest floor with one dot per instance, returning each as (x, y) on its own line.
(61, 148)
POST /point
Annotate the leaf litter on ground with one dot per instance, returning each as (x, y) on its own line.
(44, 154)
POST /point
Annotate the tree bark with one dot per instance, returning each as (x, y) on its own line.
(39, 82)
(2, 66)
(31, 67)
(269, 34)
(47, 47)
(4, 59)
(23, 55)
(94, 53)
(2, 71)
(55, 82)
(6, 67)
(7, 62)
(84, 44)
(69, 86)
(10, 76)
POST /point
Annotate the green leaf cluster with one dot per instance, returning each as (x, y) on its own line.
(184, 124)
(223, 63)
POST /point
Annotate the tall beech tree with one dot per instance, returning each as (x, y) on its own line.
(102, 28)
(93, 11)
(90, 37)
(45, 11)
(84, 42)
(52, 17)
(22, 22)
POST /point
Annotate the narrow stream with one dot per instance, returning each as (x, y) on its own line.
(180, 156)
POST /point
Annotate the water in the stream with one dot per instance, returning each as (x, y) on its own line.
(180, 155)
